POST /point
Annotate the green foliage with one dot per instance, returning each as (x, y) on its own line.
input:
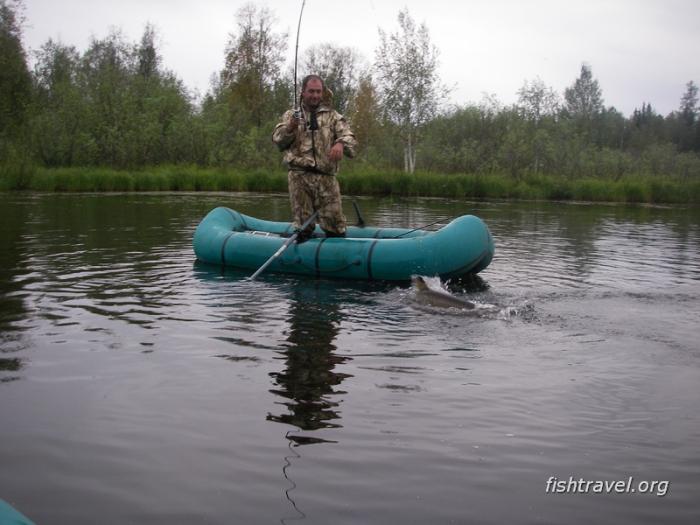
(584, 98)
(537, 101)
(363, 114)
(111, 118)
(16, 164)
(338, 67)
(112, 106)
(17, 168)
(254, 56)
(15, 80)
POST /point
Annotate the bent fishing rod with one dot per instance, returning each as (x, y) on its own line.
(297, 109)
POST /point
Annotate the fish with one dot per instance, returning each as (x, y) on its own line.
(438, 298)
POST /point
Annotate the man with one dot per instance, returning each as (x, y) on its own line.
(313, 145)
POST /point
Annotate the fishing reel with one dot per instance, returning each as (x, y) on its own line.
(301, 118)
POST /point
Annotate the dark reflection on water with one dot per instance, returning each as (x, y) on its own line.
(308, 383)
(12, 306)
(141, 386)
(309, 380)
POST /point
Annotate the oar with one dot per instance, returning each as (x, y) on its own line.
(285, 245)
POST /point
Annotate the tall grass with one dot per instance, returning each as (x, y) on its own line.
(16, 168)
(633, 189)
(162, 178)
(357, 180)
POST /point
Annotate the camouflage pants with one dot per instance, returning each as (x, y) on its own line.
(309, 192)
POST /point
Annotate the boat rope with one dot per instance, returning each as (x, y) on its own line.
(419, 228)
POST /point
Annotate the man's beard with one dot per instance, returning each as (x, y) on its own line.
(310, 105)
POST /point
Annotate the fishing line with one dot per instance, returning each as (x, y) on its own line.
(288, 464)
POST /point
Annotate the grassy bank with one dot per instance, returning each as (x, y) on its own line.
(162, 178)
(633, 189)
(359, 181)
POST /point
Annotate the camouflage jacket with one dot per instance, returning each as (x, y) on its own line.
(306, 149)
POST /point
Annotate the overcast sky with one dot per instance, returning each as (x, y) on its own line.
(639, 50)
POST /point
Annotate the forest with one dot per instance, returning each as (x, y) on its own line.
(113, 117)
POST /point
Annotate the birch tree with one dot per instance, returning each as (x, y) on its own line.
(406, 65)
(537, 102)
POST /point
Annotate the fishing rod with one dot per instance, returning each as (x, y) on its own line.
(297, 109)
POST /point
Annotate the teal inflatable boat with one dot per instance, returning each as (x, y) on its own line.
(227, 237)
(10, 516)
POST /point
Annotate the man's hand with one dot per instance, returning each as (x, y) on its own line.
(336, 152)
(292, 123)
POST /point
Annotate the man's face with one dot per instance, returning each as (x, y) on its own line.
(312, 93)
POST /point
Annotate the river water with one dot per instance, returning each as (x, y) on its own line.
(138, 386)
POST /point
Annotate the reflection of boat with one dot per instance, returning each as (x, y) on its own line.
(230, 238)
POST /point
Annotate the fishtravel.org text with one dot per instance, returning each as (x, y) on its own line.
(582, 486)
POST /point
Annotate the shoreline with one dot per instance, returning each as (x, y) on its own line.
(630, 189)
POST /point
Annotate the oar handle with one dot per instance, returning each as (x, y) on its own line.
(360, 219)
